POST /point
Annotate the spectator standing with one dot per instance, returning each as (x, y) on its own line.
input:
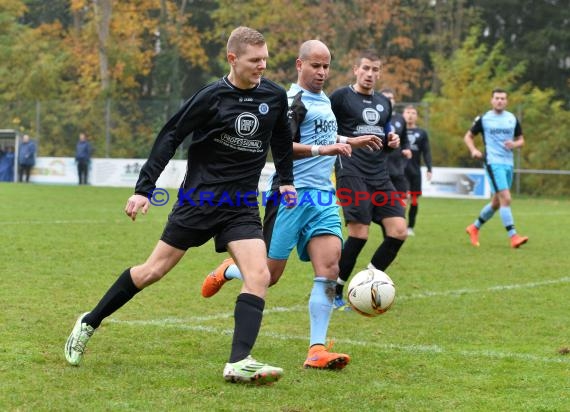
(26, 158)
(83, 152)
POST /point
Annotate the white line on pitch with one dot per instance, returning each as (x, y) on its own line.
(300, 308)
(498, 288)
(390, 346)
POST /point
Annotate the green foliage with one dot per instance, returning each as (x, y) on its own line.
(535, 31)
(472, 329)
(54, 82)
(466, 78)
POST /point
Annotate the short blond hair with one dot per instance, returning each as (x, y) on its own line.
(243, 36)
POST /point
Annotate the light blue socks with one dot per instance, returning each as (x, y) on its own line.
(320, 309)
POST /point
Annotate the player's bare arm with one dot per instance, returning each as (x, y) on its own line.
(469, 142)
(516, 143)
(289, 194)
(369, 141)
(301, 151)
(134, 204)
(393, 140)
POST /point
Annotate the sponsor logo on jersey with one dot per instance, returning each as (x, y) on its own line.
(370, 116)
(246, 124)
(366, 129)
(237, 142)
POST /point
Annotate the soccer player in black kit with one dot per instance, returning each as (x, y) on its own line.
(359, 110)
(232, 123)
(419, 143)
(398, 158)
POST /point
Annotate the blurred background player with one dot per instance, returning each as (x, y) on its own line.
(419, 145)
(398, 158)
(314, 225)
(502, 132)
(360, 110)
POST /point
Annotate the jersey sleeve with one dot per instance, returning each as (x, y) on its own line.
(296, 114)
(518, 128)
(425, 150)
(282, 146)
(404, 141)
(191, 116)
(477, 126)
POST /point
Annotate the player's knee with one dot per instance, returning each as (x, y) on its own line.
(146, 275)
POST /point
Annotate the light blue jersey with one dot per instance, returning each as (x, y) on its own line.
(496, 129)
(313, 123)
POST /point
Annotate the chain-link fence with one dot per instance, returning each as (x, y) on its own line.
(127, 129)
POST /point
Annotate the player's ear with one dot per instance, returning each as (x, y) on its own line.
(232, 57)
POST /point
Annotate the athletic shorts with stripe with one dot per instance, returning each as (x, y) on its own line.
(191, 226)
(316, 214)
(500, 176)
(384, 200)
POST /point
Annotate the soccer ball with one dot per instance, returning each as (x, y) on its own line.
(371, 292)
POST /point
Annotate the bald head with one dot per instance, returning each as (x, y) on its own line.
(313, 65)
(311, 47)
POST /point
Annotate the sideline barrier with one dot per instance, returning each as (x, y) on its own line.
(446, 181)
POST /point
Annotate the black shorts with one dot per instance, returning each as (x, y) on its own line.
(400, 183)
(383, 200)
(415, 182)
(191, 226)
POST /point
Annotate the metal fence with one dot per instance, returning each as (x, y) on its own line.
(126, 129)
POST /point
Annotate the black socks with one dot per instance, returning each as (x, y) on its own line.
(247, 314)
(120, 293)
(386, 253)
(352, 248)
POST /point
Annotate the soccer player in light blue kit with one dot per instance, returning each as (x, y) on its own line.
(314, 225)
(501, 133)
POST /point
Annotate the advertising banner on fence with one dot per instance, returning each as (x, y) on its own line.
(456, 182)
(446, 181)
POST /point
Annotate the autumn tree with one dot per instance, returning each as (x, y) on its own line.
(467, 80)
(346, 27)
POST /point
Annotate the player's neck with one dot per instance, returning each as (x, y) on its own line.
(239, 83)
(356, 87)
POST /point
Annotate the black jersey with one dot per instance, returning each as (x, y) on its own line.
(359, 114)
(230, 132)
(419, 143)
(396, 161)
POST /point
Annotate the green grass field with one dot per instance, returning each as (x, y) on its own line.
(471, 329)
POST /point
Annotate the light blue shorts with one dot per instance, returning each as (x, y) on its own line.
(314, 215)
(500, 176)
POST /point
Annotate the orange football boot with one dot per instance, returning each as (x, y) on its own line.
(216, 279)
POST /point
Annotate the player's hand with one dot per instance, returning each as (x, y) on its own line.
(393, 140)
(289, 194)
(369, 141)
(428, 176)
(136, 203)
(510, 144)
(407, 153)
(343, 149)
(476, 154)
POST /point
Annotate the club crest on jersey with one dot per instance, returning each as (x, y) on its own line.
(263, 108)
(246, 124)
(370, 116)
